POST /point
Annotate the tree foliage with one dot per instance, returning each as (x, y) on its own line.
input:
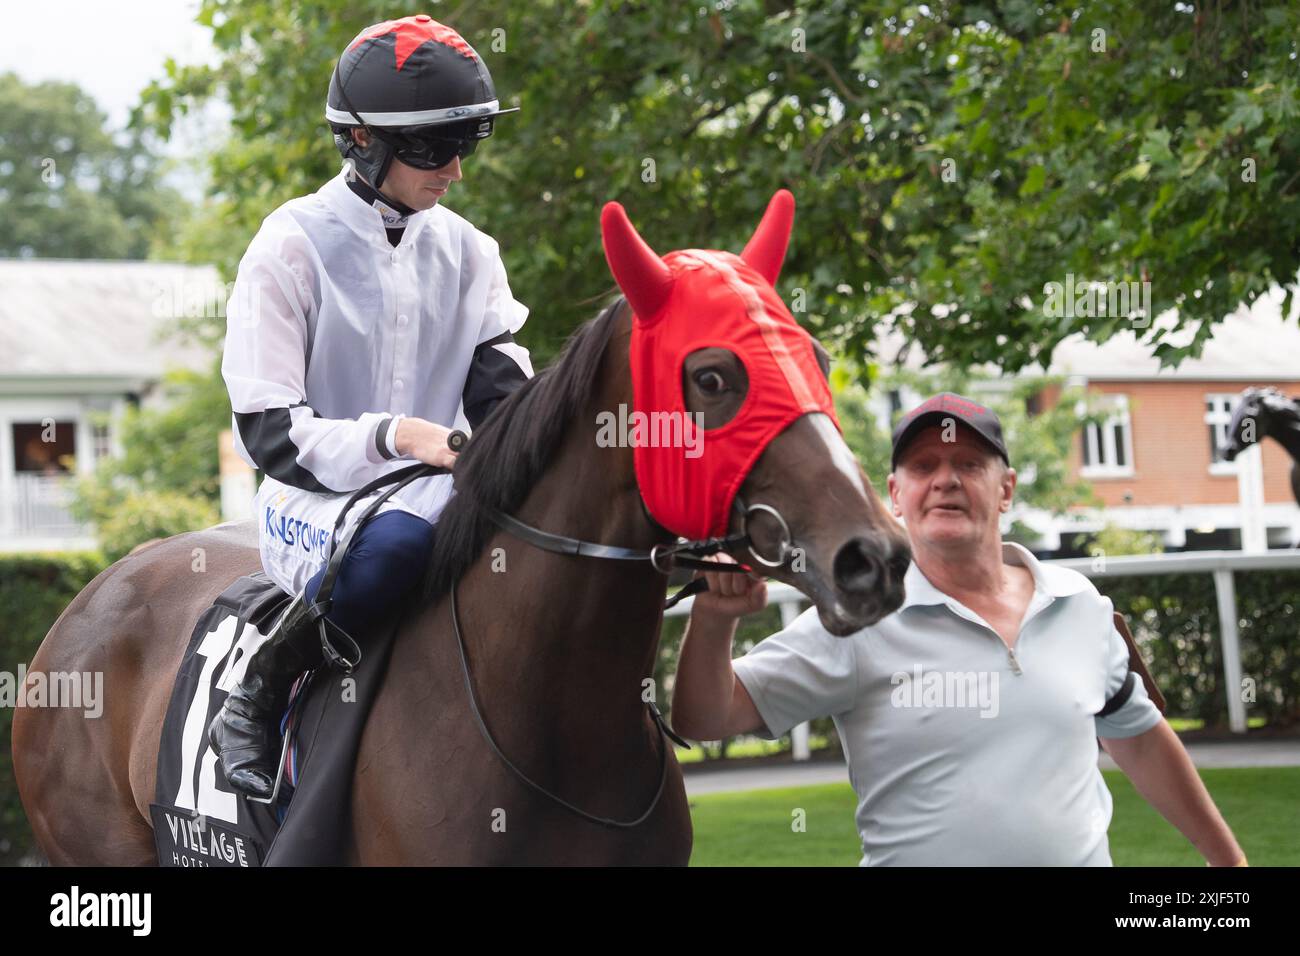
(166, 480)
(67, 187)
(949, 159)
(1113, 540)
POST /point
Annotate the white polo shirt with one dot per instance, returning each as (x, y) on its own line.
(962, 752)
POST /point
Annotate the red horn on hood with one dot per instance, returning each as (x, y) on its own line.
(766, 249)
(637, 269)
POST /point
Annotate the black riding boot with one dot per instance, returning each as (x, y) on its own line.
(243, 734)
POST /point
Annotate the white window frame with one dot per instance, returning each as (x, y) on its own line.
(1101, 442)
(1221, 417)
(101, 442)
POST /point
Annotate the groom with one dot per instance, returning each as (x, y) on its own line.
(993, 760)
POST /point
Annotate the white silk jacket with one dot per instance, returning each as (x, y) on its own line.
(332, 335)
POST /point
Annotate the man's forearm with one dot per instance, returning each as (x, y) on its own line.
(1163, 773)
(703, 687)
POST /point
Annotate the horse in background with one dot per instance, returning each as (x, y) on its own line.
(1267, 413)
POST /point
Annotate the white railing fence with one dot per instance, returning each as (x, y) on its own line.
(40, 507)
(1222, 566)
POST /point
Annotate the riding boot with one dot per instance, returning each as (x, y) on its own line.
(244, 732)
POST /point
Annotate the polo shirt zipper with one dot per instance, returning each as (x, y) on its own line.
(1011, 651)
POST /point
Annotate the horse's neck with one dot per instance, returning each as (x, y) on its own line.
(573, 637)
(605, 614)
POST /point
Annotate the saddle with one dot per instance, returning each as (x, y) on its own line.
(198, 819)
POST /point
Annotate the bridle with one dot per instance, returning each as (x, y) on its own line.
(663, 558)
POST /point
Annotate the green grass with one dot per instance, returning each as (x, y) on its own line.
(753, 828)
(751, 747)
(758, 747)
(1195, 723)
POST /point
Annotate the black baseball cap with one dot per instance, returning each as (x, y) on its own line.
(940, 408)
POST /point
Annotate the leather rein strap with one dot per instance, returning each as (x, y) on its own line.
(664, 734)
(685, 554)
(399, 479)
(316, 611)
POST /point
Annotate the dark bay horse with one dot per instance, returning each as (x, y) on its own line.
(559, 647)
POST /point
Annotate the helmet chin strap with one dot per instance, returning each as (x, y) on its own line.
(387, 163)
(367, 190)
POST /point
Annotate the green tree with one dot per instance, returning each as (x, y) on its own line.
(1113, 540)
(166, 480)
(67, 187)
(949, 159)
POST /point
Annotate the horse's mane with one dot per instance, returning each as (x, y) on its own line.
(511, 449)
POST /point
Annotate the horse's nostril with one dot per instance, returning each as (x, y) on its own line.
(856, 568)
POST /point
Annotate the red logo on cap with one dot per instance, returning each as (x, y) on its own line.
(413, 33)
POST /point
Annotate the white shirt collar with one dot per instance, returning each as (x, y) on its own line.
(363, 218)
(1048, 580)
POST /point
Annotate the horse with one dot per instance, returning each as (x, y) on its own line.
(1266, 413)
(557, 648)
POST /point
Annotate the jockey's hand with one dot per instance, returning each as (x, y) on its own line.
(425, 441)
(730, 595)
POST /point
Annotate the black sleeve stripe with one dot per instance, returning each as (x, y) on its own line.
(493, 375)
(266, 436)
(501, 339)
(1121, 696)
(381, 438)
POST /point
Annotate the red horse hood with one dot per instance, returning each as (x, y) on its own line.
(693, 299)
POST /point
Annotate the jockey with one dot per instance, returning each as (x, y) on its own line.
(366, 322)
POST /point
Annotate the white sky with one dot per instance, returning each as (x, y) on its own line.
(112, 49)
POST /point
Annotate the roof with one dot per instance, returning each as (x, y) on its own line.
(1254, 343)
(99, 318)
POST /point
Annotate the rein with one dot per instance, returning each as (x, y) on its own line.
(665, 732)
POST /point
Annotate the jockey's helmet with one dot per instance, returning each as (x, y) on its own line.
(424, 94)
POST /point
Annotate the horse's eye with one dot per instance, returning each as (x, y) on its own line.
(710, 382)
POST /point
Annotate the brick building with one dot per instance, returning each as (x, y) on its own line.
(1157, 462)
